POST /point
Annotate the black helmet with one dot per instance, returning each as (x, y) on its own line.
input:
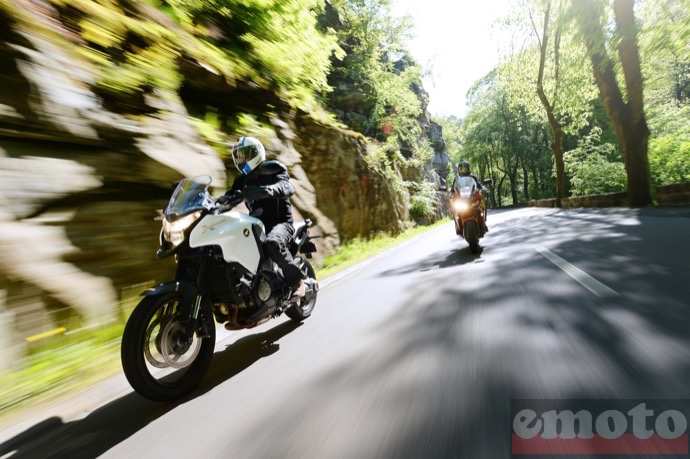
(464, 168)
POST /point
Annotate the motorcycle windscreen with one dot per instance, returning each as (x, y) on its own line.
(465, 186)
(232, 232)
(191, 194)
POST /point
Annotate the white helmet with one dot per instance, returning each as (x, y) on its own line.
(248, 153)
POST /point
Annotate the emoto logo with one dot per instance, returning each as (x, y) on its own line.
(598, 427)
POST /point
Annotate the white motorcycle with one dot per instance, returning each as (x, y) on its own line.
(223, 273)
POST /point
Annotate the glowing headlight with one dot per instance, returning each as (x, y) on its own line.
(460, 205)
(174, 231)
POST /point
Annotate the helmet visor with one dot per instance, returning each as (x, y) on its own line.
(242, 155)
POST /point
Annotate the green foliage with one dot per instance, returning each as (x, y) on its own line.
(422, 153)
(423, 202)
(278, 41)
(567, 79)
(501, 139)
(371, 36)
(276, 45)
(249, 125)
(397, 108)
(481, 131)
(666, 66)
(387, 159)
(133, 55)
(378, 69)
(594, 167)
(295, 53)
(669, 149)
(664, 47)
(669, 160)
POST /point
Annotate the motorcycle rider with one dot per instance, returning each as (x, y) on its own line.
(464, 170)
(266, 189)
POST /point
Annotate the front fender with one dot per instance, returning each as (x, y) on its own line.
(188, 290)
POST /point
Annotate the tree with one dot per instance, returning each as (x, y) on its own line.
(547, 62)
(497, 137)
(549, 106)
(627, 117)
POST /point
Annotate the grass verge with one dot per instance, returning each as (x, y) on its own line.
(358, 250)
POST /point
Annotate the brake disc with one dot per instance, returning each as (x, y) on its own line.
(176, 352)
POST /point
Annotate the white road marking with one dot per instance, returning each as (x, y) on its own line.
(582, 277)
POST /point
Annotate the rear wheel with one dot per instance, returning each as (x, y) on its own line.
(302, 308)
(472, 235)
(159, 363)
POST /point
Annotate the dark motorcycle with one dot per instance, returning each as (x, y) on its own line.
(222, 273)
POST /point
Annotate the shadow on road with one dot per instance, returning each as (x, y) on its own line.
(112, 423)
(460, 257)
(456, 257)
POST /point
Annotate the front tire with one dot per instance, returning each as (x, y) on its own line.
(158, 363)
(302, 308)
(472, 235)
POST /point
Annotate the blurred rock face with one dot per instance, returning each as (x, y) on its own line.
(80, 184)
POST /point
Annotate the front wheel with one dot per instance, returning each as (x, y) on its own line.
(159, 363)
(471, 235)
(302, 308)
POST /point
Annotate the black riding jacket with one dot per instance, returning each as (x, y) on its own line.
(274, 206)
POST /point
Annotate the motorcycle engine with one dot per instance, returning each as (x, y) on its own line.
(269, 288)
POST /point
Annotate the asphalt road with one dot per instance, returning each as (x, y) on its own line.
(418, 352)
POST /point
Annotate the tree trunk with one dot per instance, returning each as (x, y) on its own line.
(627, 118)
(557, 148)
(525, 182)
(556, 128)
(513, 181)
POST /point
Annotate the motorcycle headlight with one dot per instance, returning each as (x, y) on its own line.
(459, 206)
(173, 232)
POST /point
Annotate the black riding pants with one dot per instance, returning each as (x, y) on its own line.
(277, 246)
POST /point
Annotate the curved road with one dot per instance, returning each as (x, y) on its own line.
(418, 352)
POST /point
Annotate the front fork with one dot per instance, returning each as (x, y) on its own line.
(195, 304)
